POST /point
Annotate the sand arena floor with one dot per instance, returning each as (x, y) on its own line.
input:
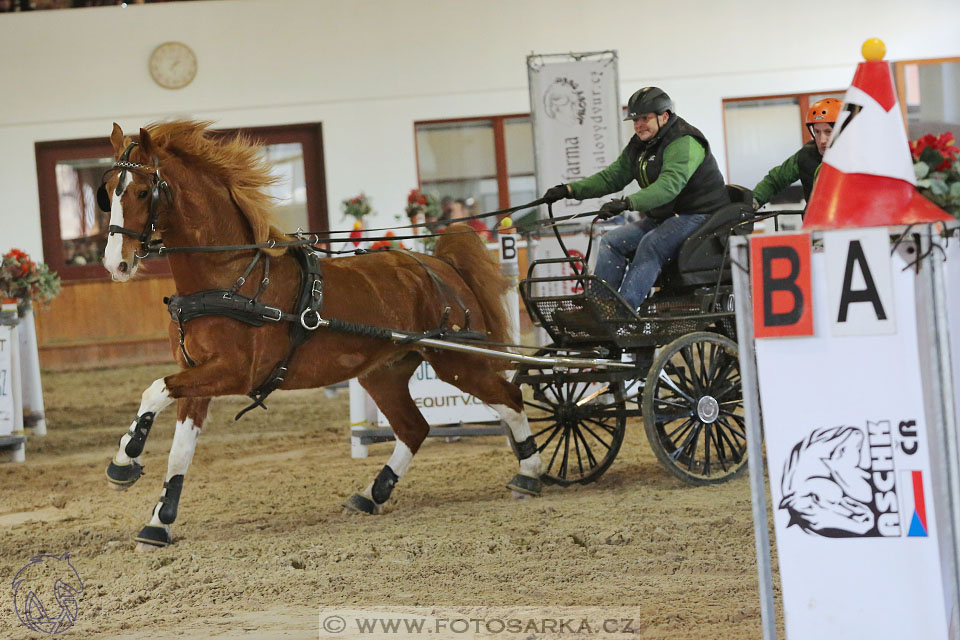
(261, 540)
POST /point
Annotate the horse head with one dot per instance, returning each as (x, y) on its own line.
(135, 195)
(825, 483)
(184, 182)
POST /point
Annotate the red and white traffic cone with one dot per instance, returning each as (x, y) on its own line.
(866, 178)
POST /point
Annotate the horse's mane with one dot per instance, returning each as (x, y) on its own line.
(234, 160)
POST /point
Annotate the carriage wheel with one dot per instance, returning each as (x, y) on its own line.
(578, 425)
(693, 409)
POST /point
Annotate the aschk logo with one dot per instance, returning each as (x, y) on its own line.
(841, 482)
(45, 593)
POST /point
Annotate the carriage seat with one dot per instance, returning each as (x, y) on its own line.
(702, 254)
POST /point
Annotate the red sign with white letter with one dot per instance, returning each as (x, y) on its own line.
(781, 286)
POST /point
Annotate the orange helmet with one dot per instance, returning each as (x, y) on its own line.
(825, 110)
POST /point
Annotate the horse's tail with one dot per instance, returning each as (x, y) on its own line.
(462, 247)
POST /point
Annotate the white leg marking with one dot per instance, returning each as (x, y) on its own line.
(113, 254)
(399, 461)
(520, 428)
(156, 398)
(181, 455)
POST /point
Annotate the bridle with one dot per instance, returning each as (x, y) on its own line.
(159, 188)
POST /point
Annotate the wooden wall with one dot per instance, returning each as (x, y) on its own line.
(99, 323)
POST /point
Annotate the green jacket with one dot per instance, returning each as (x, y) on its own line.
(803, 166)
(684, 180)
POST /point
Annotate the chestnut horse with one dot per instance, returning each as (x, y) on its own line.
(194, 189)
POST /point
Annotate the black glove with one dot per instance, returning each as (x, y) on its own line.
(558, 192)
(613, 208)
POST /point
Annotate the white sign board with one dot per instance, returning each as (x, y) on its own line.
(442, 403)
(575, 107)
(850, 466)
(859, 282)
(6, 381)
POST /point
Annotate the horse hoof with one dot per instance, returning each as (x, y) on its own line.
(123, 476)
(516, 495)
(361, 504)
(151, 536)
(525, 485)
(143, 547)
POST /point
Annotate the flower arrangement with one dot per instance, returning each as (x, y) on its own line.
(356, 207)
(387, 244)
(936, 168)
(22, 278)
(422, 203)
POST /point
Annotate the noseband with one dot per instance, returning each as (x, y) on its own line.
(159, 188)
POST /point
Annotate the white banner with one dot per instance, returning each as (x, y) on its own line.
(850, 471)
(575, 108)
(6, 381)
(442, 403)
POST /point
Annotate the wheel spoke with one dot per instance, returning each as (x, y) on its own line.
(674, 385)
(707, 437)
(693, 447)
(718, 444)
(687, 354)
(675, 454)
(734, 449)
(596, 437)
(602, 425)
(675, 435)
(591, 459)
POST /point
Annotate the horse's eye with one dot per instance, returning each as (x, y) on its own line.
(142, 194)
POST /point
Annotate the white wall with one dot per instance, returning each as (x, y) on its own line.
(367, 69)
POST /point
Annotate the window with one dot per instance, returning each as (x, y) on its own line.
(482, 164)
(929, 92)
(75, 230)
(762, 132)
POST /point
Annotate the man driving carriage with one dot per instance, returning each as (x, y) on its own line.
(681, 186)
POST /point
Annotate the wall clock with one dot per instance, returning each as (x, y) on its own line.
(173, 65)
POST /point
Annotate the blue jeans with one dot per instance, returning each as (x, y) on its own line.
(646, 245)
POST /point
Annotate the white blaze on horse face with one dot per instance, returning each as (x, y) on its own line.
(520, 428)
(113, 255)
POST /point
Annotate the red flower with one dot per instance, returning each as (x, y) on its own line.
(942, 145)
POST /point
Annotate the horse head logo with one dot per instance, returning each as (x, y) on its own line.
(45, 593)
(564, 101)
(826, 486)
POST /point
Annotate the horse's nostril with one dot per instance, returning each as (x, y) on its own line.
(122, 267)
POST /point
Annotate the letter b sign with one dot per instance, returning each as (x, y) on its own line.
(781, 287)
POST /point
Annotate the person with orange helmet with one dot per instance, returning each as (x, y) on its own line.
(805, 163)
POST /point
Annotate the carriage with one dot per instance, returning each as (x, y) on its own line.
(684, 376)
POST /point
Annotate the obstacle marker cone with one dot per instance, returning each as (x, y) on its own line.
(866, 178)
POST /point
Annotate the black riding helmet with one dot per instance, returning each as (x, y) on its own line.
(648, 100)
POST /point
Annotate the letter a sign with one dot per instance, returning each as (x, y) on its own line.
(781, 287)
(859, 282)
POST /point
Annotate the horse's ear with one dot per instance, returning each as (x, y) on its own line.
(146, 142)
(116, 139)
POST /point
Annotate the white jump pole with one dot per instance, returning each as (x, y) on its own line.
(33, 412)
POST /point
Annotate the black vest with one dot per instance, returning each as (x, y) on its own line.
(704, 192)
(808, 161)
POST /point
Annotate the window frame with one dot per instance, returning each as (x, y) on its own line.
(499, 150)
(49, 153)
